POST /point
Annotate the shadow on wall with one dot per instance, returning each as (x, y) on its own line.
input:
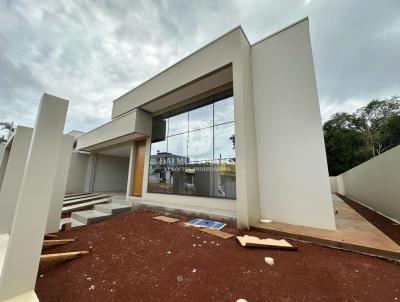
(110, 173)
(374, 183)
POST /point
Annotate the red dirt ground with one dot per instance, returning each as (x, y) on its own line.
(387, 226)
(137, 258)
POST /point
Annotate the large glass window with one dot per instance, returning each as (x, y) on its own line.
(197, 156)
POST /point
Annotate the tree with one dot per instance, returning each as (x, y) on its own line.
(344, 143)
(9, 128)
(377, 121)
(351, 139)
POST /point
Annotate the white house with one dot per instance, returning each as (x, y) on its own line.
(238, 129)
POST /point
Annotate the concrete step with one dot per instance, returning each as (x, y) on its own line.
(84, 205)
(83, 199)
(122, 201)
(89, 216)
(74, 223)
(112, 208)
(76, 195)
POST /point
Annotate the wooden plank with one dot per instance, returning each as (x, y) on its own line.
(57, 242)
(137, 183)
(252, 241)
(166, 219)
(57, 257)
(217, 233)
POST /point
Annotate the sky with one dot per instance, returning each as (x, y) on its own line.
(92, 52)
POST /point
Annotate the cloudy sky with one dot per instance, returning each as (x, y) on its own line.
(91, 52)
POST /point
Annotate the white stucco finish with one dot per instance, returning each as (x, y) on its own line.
(77, 173)
(333, 184)
(21, 261)
(292, 166)
(14, 171)
(124, 128)
(375, 183)
(111, 174)
(60, 182)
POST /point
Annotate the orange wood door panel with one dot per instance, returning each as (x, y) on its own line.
(140, 147)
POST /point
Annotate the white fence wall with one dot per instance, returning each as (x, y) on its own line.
(375, 183)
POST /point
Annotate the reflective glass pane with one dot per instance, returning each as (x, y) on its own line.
(157, 175)
(200, 179)
(178, 124)
(175, 180)
(224, 111)
(177, 146)
(224, 178)
(201, 117)
(200, 145)
(158, 147)
(224, 141)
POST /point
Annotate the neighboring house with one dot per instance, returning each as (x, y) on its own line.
(234, 129)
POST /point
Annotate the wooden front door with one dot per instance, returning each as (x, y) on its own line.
(140, 147)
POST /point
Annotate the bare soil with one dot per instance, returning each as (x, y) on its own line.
(137, 258)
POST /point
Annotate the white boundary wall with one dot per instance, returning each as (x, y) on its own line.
(375, 183)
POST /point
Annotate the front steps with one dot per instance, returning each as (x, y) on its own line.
(102, 209)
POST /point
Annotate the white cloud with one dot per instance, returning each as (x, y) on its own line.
(93, 52)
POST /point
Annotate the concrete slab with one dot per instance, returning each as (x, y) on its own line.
(89, 216)
(353, 232)
(112, 208)
(74, 223)
(85, 198)
(85, 205)
(77, 195)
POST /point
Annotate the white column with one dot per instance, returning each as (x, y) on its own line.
(21, 262)
(14, 171)
(53, 220)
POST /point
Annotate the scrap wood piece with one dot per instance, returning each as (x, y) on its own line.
(217, 233)
(62, 256)
(204, 223)
(57, 242)
(253, 241)
(51, 236)
(166, 219)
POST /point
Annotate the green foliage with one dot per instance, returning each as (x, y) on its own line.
(351, 139)
(9, 128)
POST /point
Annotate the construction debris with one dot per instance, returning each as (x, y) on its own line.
(265, 220)
(166, 219)
(58, 257)
(217, 233)
(55, 242)
(252, 241)
(269, 260)
(204, 223)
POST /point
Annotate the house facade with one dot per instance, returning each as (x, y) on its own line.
(234, 130)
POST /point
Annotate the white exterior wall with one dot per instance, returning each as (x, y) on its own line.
(111, 174)
(77, 173)
(292, 166)
(375, 183)
(333, 184)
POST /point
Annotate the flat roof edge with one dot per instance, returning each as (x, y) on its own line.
(281, 30)
(181, 60)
